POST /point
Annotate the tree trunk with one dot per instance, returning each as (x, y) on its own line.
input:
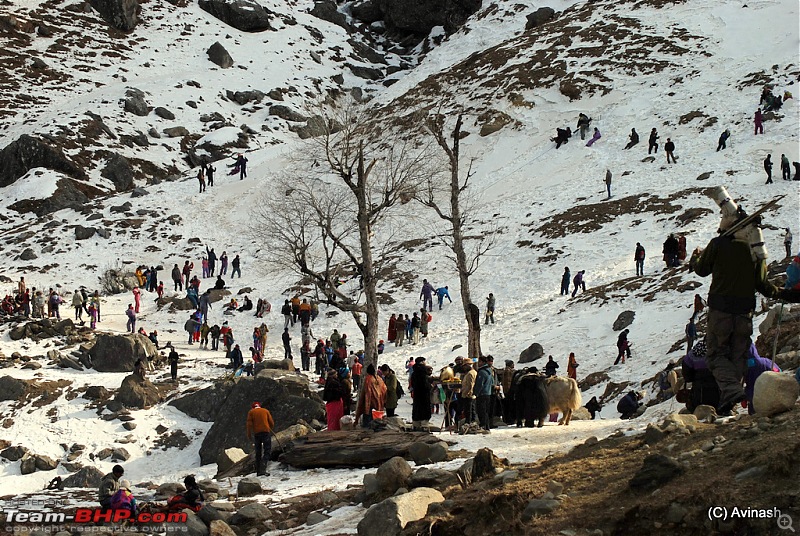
(473, 320)
(367, 266)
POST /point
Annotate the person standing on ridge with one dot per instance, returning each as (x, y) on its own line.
(638, 257)
(787, 243)
(669, 148)
(565, 280)
(608, 182)
(758, 121)
(768, 168)
(426, 294)
(652, 142)
(583, 124)
(786, 169)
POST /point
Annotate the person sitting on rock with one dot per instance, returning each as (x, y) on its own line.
(123, 499)
(630, 406)
(220, 283)
(192, 498)
(756, 366)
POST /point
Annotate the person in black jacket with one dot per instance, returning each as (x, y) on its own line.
(630, 406)
(287, 347)
(634, 139)
(565, 279)
(192, 498)
(173, 362)
(421, 387)
(669, 147)
(768, 168)
(550, 367)
(653, 143)
(583, 125)
(593, 406)
(638, 257)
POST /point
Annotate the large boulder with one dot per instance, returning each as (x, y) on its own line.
(251, 513)
(86, 477)
(327, 10)
(531, 353)
(440, 479)
(84, 233)
(118, 353)
(245, 15)
(120, 14)
(285, 112)
(15, 453)
(249, 486)
(26, 153)
(229, 458)
(135, 103)
(368, 11)
(624, 320)
(136, 392)
(775, 392)
(423, 453)
(539, 17)
(286, 395)
(393, 475)
(12, 388)
(420, 16)
(218, 55)
(119, 171)
(389, 517)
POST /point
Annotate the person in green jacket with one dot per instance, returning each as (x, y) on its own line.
(390, 379)
(735, 278)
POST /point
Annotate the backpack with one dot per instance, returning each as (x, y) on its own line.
(121, 500)
(399, 391)
(429, 318)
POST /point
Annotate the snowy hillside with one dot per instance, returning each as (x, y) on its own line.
(689, 69)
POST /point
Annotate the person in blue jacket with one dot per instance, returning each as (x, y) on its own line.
(442, 293)
(630, 406)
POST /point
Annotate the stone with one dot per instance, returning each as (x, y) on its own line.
(27, 464)
(769, 320)
(139, 192)
(118, 353)
(66, 195)
(168, 490)
(676, 513)
(681, 420)
(316, 517)
(554, 487)
(44, 463)
(539, 507)
(581, 414)
(284, 112)
(389, 517)
(12, 388)
(531, 353)
(120, 454)
(229, 457)
(439, 479)
(704, 176)
(104, 453)
(539, 17)
(656, 471)
(775, 392)
(706, 414)
(134, 102)
(249, 486)
(136, 392)
(218, 55)
(624, 320)
(326, 10)
(119, 171)
(393, 474)
(193, 526)
(13, 454)
(209, 486)
(485, 463)
(28, 255)
(83, 233)
(96, 392)
(120, 14)
(316, 126)
(208, 513)
(252, 513)
(653, 434)
(245, 15)
(163, 113)
(85, 477)
(218, 527)
(176, 132)
(368, 11)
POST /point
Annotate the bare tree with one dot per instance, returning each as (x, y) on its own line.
(454, 204)
(322, 217)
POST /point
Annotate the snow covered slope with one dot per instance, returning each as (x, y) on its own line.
(689, 69)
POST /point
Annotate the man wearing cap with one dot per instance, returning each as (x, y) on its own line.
(259, 427)
(109, 486)
(484, 387)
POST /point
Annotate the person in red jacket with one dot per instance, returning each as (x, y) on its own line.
(259, 427)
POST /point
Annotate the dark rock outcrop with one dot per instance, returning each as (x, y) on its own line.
(539, 17)
(26, 153)
(286, 395)
(531, 353)
(368, 11)
(284, 112)
(68, 194)
(136, 392)
(243, 97)
(120, 14)
(218, 55)
(135, 103)
(119, 171)
(624, 320)
(12, 388)
(243, 15)
(326, 10)
(86, 477)
(118, 353)
(420, 16)
(163, 113)
(83, 233)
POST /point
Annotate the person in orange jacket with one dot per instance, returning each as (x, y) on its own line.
(259, 428)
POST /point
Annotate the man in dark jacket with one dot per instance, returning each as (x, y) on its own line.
(109, 486)
(551, 367)
(565, 279)
(653, 141)
(634, 139)
(287, 347)
(173, 362)
(421, 386)
(735, 278)
(484, 388)
(669, 148)
(630, 406)
(768, 168)
(583, 124)
(671, 249)
(177, 278)
(638, 257)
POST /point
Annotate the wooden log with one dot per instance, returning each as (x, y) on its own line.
(351, 448)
